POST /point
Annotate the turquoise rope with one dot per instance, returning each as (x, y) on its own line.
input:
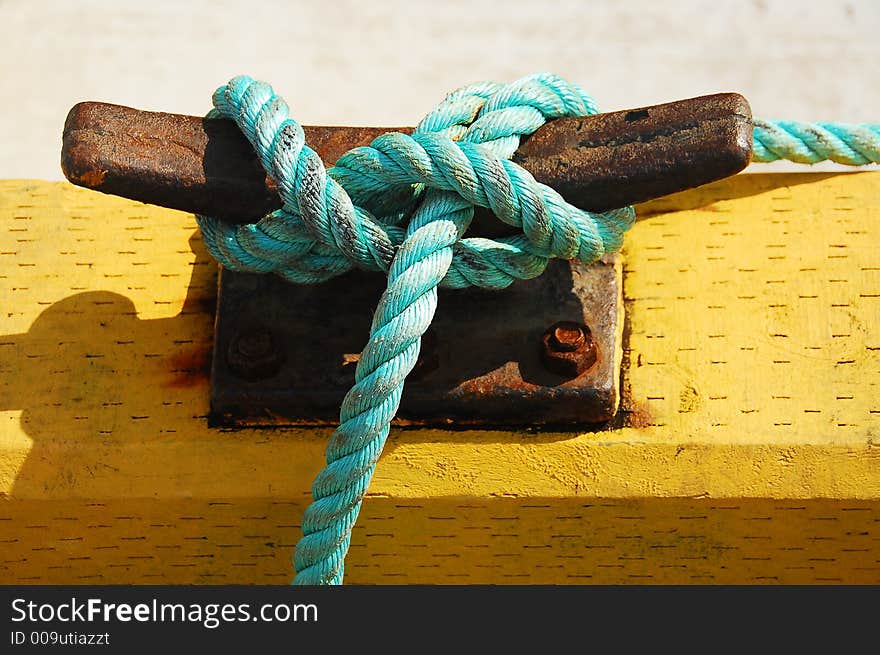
(402, 206)
(810, 143)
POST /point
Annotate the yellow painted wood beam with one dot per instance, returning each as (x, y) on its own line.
(751, 399)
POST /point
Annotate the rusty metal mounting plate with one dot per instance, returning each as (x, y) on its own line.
(480, 364)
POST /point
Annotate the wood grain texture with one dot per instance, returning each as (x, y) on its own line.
(745, 451)
(449, 541)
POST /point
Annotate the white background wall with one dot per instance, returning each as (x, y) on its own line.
(387, 62)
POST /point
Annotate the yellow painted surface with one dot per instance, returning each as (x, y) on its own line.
(746, 450)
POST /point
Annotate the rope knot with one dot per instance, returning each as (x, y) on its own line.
(401, 205)
(355, 214)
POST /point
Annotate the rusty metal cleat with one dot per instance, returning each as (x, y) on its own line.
(285, 355)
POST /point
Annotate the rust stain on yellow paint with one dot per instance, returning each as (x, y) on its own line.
(751, 399)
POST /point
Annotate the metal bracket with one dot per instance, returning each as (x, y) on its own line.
(286, 354)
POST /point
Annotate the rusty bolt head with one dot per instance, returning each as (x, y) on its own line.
(253, 354)
(568, 349)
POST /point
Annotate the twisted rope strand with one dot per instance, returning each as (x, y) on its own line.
(810, 143)
(351, 216)
(404, 313)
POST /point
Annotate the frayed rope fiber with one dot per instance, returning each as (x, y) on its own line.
(402, 205)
